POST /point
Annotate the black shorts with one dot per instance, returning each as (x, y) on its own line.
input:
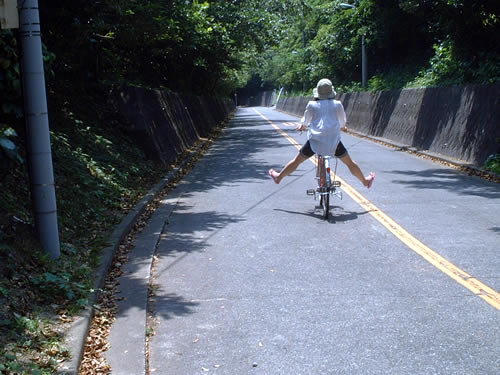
(307, 151)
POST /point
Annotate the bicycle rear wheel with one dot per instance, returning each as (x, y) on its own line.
(325, 205)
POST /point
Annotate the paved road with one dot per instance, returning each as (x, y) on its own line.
(251, 280)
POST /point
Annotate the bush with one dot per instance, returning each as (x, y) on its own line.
(492, 164)
(448, 68)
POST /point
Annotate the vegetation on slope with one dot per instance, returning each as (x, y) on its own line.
(99, 174)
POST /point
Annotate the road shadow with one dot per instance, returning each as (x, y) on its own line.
(495, 229)
(172, 244)
(343, 216)
(183, 241)
(170, 306)
(237, 149)
(186, 232)
(336, 214)
(448, 179)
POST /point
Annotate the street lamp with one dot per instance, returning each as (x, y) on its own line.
(363, 51)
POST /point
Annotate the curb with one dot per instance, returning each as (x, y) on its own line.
(76, 335)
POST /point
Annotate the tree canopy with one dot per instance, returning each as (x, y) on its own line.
(408, 43)
(188, 46)
(217, 46)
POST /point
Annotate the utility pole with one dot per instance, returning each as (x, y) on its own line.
(278, 99)
(364, 64)
(364, 70)
(37, 128)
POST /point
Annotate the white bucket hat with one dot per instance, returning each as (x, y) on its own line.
(324, 90)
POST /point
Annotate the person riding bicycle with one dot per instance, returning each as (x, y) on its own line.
(324, 118)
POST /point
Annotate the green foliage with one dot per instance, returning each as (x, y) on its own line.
(216, 46)
(99, 167)
(10, 99)
(10, 75)
(8, 147)
(408, 44)
(493, 164)
(13, 366)
(31, 331)
(188, 46)
(395, 79)
(10, 80)
(446, 68)
(100, 174)
(58, 286)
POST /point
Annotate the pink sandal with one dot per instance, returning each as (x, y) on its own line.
(370, 179)
(273, 175)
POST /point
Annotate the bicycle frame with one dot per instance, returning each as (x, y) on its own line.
(325, 185)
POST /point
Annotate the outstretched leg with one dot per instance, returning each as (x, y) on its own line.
(290, 167)
(356, 171)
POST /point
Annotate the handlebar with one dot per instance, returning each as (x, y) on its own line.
(305, 127)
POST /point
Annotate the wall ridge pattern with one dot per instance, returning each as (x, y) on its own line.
(165, 123)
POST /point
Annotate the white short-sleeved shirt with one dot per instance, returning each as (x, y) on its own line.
(325, 118)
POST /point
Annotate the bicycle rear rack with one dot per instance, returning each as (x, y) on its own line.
(332, 189)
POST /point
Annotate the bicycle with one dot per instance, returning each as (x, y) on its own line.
(325, 185)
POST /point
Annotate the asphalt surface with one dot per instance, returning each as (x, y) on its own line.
(249, 279)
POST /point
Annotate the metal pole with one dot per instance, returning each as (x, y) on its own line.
(364, 71)
(37, 128)
(278, 99)
(363, 62)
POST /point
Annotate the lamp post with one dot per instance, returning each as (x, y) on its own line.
(363, 50)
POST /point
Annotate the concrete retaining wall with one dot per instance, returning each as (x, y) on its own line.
(165, 123)
(262, 99)
(461, 122)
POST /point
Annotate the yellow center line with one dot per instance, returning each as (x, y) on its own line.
(465, 279)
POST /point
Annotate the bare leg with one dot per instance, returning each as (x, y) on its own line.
(356, 171)
(288, 168)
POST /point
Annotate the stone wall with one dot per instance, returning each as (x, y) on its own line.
(165, 123)
(461, 122)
